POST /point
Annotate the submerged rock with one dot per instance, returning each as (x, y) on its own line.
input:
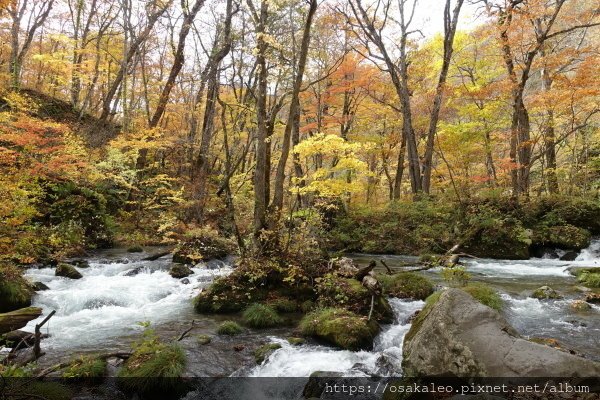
(263, 352)
(580, 305)
(545, 293)
(81, 263)
(67, 271)
(180, 271)
(474, 340)
(569, 256)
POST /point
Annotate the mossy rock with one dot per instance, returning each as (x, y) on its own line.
(202, 248)
(67, 271)
(203, 339)
(229, 328)
(296, 341)
(485, 295)
(577, 271)
(15, 291)
(135, 249)
(406, 285)
(263, 352)
(350, 294)
(546, 293)
(179, 271)
(341, 328)
(261, 316)
(228, 295)
(567, 237)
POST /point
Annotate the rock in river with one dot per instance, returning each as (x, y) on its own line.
(545, 292)
(471, 339)
(179, 271)
(67, 271)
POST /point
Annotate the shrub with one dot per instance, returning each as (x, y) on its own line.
(284, 305)
(456, 276)
(406, 285)
(261, 316)
(590, 279)
(230, 328)
(485, 295)
(85, 367)
(155, 367)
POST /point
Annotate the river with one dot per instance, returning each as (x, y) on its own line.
(103, 311)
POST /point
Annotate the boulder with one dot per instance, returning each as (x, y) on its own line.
(179, 271)
(81, 263)
(39, 286)
(406, 285)
(569, 256)
(545, 293)
(580, 305)
(341, 328)
(474, 340)
(264, 351)
(67, 271)
(134, 271)
(14, 320)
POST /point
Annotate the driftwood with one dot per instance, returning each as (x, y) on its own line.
(364, 271)
(14, 320)
(390, 272)
(185, 333)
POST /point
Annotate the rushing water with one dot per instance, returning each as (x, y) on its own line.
(102, 311)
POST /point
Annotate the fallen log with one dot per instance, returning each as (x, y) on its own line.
(14, 320)
(364, 271)
(154, 257)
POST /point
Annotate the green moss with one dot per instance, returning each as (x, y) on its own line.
(590, 279)
(230, 328)
(406, 285)
(456, 276)
(265, 351)
(261, 316)
(228, 294)
(85, 367)
(296, 341)
(341, 328)
(203, 339)
(307, 306)
(418, 321)
(485, 295)
(135, 249)
(15, 291)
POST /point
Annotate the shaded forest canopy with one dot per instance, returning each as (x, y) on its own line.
(289, 124)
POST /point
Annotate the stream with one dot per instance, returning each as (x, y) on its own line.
(102, 312)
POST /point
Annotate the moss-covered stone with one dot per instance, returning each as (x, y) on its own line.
(263, 352)
(135, 249)
(67, 271)
(15, 291)
(296, 341)
(546, 293)
(590, 279)
(406, 285)
(227, 295)
(418, 321)
(179, 271)
(341, 328)
(261, 316)
(485, 295)
(203, 339)
(229, 328)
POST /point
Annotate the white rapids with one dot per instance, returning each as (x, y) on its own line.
(106, 304)
(384, 360)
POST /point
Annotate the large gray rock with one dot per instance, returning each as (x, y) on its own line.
(460, 336)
